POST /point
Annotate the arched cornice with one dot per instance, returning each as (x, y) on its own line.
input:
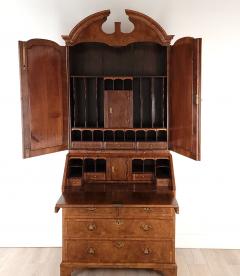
(145, 30)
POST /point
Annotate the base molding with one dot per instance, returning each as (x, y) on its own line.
(66, 269)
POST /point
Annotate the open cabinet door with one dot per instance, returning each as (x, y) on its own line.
(185, 97)
(44, 97)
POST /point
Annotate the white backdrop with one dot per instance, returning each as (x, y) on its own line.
(207, 191)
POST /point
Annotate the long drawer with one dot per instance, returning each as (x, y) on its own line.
(114, 228)
(119, 251)
(118, 212)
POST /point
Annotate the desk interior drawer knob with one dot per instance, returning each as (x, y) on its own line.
(146, 227)
(119, 244)
(146, 251)
(92, 226)
(92, 209)
(147, 209)
(91, 251)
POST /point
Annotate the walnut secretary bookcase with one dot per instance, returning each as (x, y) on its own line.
(118, 103)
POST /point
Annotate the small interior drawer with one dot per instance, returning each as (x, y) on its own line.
(87, 145)
(151, 145)
(142, 176)
(120, 145)
(74, 181)
(94, 176)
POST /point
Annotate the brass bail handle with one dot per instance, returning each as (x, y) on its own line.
(91, 251)
(146, 227)
(92, 226)
(119, 244)
(146, 251)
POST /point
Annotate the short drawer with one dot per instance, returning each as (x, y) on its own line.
(87, 145)
(145, 212)
(119, 251)
(115, 228)
(94, 176)
(142, 176)
(152, 145)
(120, 145)
(90, 212)
(74, 181)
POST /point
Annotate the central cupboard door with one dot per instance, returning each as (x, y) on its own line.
(118, 168)
(118, 109)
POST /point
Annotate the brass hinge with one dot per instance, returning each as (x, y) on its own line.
(197, 99)
(24, 61)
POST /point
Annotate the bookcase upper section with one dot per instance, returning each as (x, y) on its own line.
(120, 91)
(145, 29)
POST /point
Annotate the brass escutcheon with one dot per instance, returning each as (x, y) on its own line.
(118, 222)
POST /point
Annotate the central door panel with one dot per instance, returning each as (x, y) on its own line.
(118, 109)
(118, 169)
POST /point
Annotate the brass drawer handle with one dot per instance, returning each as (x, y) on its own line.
(147, 209)
(118, 222)
(146, 227)
(119, 244)
(91, 209)
(146, 251)
(92, 226)
(91, 251)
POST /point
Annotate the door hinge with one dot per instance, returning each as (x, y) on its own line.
(24, 61)
(197, 99)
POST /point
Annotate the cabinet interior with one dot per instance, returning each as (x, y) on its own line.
(104, 78)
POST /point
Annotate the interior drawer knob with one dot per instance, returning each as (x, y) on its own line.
(92, 209)
(146, 251)
(146, 227)
(92, 226)
(119, 244)
(91, 251)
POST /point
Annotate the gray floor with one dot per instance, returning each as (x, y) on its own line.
(45, 262)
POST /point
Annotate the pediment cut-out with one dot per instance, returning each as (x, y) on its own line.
(145, 30)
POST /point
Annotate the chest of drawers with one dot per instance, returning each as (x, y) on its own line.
(118, 235)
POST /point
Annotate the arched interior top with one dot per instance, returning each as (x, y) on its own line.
(145, 30)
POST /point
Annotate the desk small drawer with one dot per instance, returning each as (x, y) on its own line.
(120, 145)
(115, 228)
(142, 176)
(94, 176)
(90, 212)
(145, 212)
(151, 145)
(119, 251)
